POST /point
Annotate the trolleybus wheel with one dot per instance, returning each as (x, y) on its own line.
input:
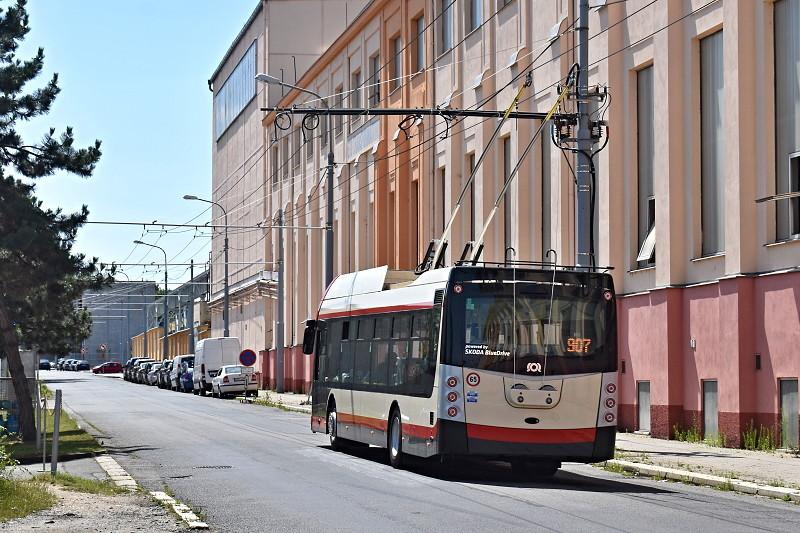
(336, 442)
(395, 444)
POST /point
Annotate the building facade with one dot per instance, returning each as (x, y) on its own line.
(693, 191)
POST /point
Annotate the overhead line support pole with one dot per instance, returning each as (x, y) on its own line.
(584, 192)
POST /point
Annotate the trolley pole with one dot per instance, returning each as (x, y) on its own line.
(280, 320)
(584, 193)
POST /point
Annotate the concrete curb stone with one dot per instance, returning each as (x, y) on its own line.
(709, 480)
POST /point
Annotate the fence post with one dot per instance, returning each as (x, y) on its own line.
(56, 422)
(44, 433)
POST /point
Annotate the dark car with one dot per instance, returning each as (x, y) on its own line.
(142, 370)
(44, 364)
(82, 364)
(163, 374)
(186, 380)
(111, 367)
(132, 371)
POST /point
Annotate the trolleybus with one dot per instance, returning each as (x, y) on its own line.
(509, 363)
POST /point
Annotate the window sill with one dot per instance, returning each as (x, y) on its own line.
(396, 89)
(707, 257)
(471, 32)
(783, 242)
(442, 54)
(642, 270)
(417, 73)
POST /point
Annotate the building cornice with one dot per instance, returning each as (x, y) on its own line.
(235, 42)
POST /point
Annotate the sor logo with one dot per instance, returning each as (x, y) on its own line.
(452, 381)
(452, 396)
(534, 367)
(473, 379)
(452, 411)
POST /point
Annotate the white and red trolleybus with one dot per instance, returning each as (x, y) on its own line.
(517, 364)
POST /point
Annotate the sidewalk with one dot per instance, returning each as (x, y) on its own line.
(776, 468)
(86, 467)
(289, 400)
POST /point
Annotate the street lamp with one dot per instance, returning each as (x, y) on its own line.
(272, 80)
(226, 298)
(166, 309)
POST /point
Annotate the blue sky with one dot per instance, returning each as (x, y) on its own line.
(134, 75)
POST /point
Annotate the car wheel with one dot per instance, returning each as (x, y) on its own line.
(202, 390)
(333, 431)
(395, 441)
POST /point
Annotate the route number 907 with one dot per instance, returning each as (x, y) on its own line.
(578, 345)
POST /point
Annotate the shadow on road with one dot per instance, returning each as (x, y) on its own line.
(126, 450)
(499, 473)
(57, 380)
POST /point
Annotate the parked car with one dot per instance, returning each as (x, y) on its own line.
(210, 356)
(69, 364)
(128, 367)
(133, 371)
(180, 364)
(143, 370)
(186, 383)
(163, 374)
(82, 364)
(44, 364)
(58, 363)
(111, 367)
(152, 374)
(232, 379)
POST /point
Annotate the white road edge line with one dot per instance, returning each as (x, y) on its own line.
(122, 479)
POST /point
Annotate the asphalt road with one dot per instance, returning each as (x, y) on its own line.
(252, 468)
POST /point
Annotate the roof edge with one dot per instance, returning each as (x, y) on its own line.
(236, 41)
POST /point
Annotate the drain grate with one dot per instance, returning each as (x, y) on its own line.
(213, 467)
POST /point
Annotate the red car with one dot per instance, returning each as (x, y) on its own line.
(111, 367)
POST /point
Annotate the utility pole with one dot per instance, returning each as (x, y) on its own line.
(190, 311)
(583, 219)
(280, 319)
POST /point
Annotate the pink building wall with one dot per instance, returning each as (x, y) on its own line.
(730, 321)
(297, 370)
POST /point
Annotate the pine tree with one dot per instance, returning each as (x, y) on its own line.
(40, 277)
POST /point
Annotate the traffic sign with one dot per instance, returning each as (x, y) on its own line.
(103, 347)
(247, 357)
(83, 350)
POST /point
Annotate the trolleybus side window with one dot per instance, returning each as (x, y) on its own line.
(320, 370)
(361, 368)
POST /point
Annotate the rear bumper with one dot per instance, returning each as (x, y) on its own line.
(238, 387)
(586, 445)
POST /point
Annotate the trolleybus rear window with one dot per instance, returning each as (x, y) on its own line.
(528, 333)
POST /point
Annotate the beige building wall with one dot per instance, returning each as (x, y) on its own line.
(288, 35)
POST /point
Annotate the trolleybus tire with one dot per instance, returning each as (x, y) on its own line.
(395, 440)
(336, 442)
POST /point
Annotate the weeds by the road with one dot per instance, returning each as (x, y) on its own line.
(19, 498)
(81, 484)
(761, 439)
(266, 400)
(73, 441)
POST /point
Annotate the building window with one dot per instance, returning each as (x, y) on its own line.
(645, 152)
(712, 145)
(419, 45)
(296, 148)
(355, 97)
(547, 191)
(396, 74)
(445, 26)
(787, 117)
(503, 3)
(309, 142)
(284, 163)
(471, 169)
(440, 192)
(323, 130)
(374, 80)
(474, 14)
(338, 120)
(507, 223)
(236, 92)
(275, 165)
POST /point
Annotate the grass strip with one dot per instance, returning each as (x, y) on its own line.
(72, 442)
(21, 498)
(81, 484)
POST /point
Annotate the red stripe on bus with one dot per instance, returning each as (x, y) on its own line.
(412, 430)
(532, 436)
(376, 310)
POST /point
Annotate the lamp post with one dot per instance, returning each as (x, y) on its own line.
(166, 308)
(266, 78)
(226, 298)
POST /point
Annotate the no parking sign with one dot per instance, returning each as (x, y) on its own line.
(247, 357)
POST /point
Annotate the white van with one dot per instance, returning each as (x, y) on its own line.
(210, 355)
(180, 364)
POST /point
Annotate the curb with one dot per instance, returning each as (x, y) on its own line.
(121, 478)
(709, 480)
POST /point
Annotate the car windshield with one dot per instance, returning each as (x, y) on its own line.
(189, 363)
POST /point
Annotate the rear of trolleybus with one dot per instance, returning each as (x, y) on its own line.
(528, 367)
